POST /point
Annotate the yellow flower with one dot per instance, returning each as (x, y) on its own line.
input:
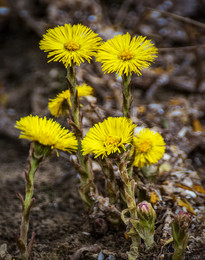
(149, 147)
(111, 136)
(70, 44)
(58, 106)
(47, 133)
(124, 55)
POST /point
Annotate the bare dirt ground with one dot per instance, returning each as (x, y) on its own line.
(169, 97)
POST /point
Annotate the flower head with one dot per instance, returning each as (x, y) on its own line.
(180, 232)
(145, 211)
(47, 133)
(58, 106)
(110, 136)
(145, 223)
(70, 44)
(124, 55)
(182, 221)
(149, 147)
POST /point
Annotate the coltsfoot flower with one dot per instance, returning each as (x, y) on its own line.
(124, 55)
(58, 106)
(149, 147)
(70, 44)
(108, 137)
(47, 133)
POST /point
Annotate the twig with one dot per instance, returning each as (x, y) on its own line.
(79, 253)
(161, 81)
(96, 110)
(117, 93)
(184, 48)
(179, 17)
(123, 11)
(27, 18)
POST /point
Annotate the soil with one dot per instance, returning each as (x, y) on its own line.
(169, 98)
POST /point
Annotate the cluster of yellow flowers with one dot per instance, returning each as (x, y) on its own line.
(112, 135)
(122, 54)
(116, 133)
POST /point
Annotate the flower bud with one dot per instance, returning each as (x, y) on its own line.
(182, 220)
(145, 212)
(144, 225)
(180, 226)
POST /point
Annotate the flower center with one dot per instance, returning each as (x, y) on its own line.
(72, 46)
(112, 141)
(144, 146)
(126, 55)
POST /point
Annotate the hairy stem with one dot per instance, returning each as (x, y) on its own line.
(129, 189)
(178, 254)
(180, 248)
(71, 78)
(112, 188)
(127, 97)
(87, 185)
(133, 253)
(27, 203)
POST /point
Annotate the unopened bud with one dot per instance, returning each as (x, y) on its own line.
(183, 220)
(145, 212)
(145, 223)
(180, 226)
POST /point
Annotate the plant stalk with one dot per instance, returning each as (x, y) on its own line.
(178, 254)
(127, 97)
(87, 185)
(112, 188)
(129, 189)
(25, 249)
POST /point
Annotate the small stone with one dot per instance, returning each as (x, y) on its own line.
(101, 256)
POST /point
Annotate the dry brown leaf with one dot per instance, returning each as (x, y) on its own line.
(174, 102)
(197, 127)
(141, 109)
(184, 203)
(184, 187)
(164, 167)
(154, 197)
(126, 236)
(199, 189)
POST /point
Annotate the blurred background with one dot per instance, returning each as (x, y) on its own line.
(27, 81)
